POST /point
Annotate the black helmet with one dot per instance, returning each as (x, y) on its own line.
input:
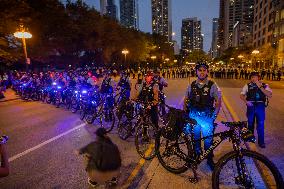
(201, 64)
(254, 73)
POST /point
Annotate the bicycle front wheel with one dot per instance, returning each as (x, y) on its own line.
(145, 140)
(173, 154)
(252, 170)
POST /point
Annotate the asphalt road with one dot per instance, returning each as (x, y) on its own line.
(42, 140)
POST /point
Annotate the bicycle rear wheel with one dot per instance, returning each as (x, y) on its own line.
(124, 127)
(252, 170)
(173, 155)
(145, 140)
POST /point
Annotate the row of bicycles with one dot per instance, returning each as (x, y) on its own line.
(172, 142)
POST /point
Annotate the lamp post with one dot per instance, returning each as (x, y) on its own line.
(125, 52)
(23, 34)
(255, 52)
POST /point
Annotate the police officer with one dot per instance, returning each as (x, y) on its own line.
(203, 101)
(160, 80)
(255, 94)
(107, 92)
(125, 86)
(149, 94)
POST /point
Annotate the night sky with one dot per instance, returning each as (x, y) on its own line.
(205, 10)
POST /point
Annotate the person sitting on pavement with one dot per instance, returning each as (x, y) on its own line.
(255, 94)
(103, 160)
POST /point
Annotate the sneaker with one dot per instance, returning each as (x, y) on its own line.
(92, 183)
(261, 145)
(211, 164)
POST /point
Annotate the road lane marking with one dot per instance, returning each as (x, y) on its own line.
(138, 167)
(235, 117)
(44, 143)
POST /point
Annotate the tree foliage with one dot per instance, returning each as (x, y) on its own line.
(71, 33)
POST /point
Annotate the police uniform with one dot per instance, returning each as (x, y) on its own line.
(200, 104)
(124, 83)
(254, 95)
(150, 93)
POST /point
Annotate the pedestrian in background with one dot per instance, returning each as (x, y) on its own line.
(102, 159)
(255, 94)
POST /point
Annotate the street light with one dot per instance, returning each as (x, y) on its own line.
(24, 35)
(125, 52)
(240, 56)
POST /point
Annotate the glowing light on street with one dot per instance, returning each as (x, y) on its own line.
(25, 35)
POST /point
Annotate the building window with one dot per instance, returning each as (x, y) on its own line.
(282, 14)
(258, 43)
(265, 9)
(270, 16)
(259, 34)
(259, 24)
(263, 41)
(264, 20)
(263, 31)
(255, 27)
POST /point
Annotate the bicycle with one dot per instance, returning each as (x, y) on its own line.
(179, 145)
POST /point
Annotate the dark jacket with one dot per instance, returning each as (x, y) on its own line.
(104, 155)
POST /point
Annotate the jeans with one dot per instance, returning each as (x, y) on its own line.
(257, 111)
(206, 127)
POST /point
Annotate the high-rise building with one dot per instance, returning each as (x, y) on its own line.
(191, 37)
(108, 8)
(278, 34)
(162, 18)
(234, 12)
(263, 23)
(129, 13)
(214, 47)
(221, 25)
(103, 4)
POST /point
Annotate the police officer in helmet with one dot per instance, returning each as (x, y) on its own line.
(149, 94)
(125, 86)
(203, 102)
(255, 94)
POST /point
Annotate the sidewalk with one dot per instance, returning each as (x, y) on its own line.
(9, 95)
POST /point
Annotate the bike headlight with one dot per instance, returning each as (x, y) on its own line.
(84, 91)
(76, 92)
(58, 87)
(54, 83)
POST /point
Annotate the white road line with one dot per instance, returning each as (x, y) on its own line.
(45, 143)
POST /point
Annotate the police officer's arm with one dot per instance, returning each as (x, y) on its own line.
(266, 90)
(217, 96)
(156, 94)
(186, 98)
